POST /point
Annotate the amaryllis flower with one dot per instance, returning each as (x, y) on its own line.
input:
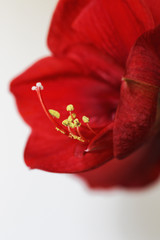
(92, 111)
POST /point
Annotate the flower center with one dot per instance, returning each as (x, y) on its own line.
(71, 126)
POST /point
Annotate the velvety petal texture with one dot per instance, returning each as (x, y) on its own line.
(61, 35)
(97, 63)
(115, 14)
(99, 23)
(105, 60)
(136, 121)
(143, 64)
(139, 94)
(135, 117)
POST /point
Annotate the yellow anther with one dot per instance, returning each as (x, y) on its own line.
(60, 130)
(71, 124)
(73, 115)
(54, 113)
(85, 119)
(76, 137)
(70, 108)
(70, 118)
(77, 123)
(65, 123)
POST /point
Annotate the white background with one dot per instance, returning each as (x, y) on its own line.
(36, 205)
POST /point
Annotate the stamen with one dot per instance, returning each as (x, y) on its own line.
(72, 135)
(72, 123)
(54, 113)
(86, 121)
(69, 130)
(71, 117)
(60, 130)
(77, 123)
(65, 123)
(70, 108)
(79, 133)
(76, 138)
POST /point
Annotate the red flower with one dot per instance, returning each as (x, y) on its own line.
(91, 40)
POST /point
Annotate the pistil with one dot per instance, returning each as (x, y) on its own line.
(72, 123)
(38, 89)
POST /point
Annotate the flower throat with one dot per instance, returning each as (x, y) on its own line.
(71, 126)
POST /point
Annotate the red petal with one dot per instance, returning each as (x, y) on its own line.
(98, 63)
(143, 64)
(154, 8)
(137, 108)
(63, 84)
(43, 70)
(137, 170)
(101, 23)
(60, 154)
(61, 34)
(135, 116)
(103, 141)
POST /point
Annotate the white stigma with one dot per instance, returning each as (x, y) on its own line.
(34, 88)
(38, 86)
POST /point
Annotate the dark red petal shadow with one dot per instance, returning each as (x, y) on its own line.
(143, 64)
(135, 116)
(137, 170)
(139, 94)
(102, 141)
